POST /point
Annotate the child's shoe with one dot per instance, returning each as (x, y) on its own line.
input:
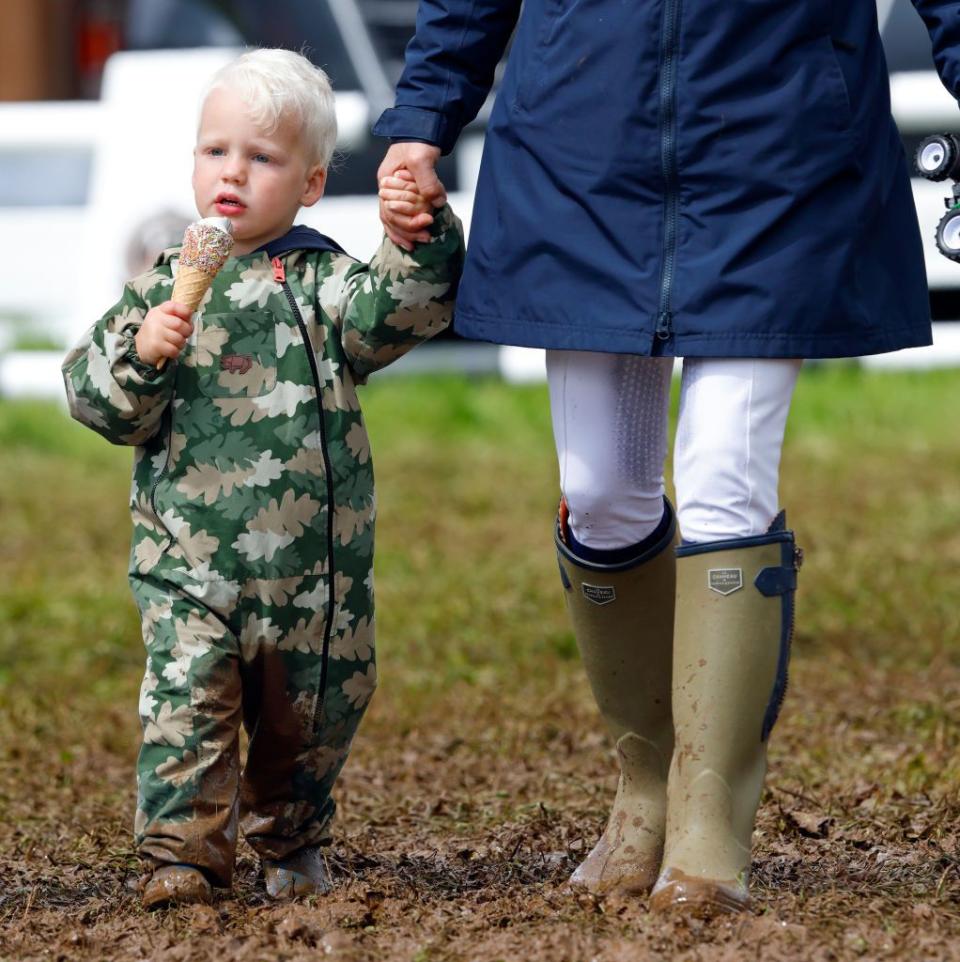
(303, 872)
(176, 885)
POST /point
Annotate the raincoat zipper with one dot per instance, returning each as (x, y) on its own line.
(280, 276)
(669, 52)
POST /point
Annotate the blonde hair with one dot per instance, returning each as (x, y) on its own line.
(277, 84)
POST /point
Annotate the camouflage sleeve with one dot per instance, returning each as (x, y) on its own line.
(108, 387)
(401, 299)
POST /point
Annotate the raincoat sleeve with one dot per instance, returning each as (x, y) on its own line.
(109, 389)
(401, 299)
(942, 18)
(449, 70)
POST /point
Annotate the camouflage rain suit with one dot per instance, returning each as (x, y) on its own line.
(253, 512)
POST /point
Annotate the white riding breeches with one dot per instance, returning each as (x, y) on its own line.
(610, 418)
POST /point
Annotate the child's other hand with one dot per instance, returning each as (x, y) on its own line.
(163, 333)
(400, 196)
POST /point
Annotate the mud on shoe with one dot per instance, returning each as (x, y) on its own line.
(175, 885)
(303, 872)
(698, 897)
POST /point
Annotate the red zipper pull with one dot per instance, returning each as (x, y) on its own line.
(279, 274)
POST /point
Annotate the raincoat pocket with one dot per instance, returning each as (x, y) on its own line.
(530, 67)
(236, 354)
(836, 95)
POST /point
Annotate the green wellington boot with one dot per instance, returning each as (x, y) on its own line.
(732, 638)
(622, 617)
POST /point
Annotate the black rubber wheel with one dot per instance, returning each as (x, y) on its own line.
(938, 157)
(948, 235)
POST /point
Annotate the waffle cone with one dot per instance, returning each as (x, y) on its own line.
(189, 286)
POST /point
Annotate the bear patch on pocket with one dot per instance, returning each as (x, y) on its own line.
(236, 354)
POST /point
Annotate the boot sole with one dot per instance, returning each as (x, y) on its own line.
(286, 891)
(302, 874)
(699, 898)
(638, 884)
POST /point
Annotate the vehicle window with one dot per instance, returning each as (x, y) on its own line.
(905, 39)
(304, 25)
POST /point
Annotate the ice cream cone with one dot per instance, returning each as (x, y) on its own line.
(206, 246)
(189, 287)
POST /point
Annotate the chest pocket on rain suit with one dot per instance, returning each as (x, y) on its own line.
(236, 354)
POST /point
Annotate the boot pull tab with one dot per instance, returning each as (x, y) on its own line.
(776, 581)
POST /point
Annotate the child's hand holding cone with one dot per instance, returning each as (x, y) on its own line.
(206, 247)
(163, 333)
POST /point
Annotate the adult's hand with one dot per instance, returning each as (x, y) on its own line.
(420, 160)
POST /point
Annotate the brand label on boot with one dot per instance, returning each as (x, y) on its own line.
(599, 594)
(725, 581)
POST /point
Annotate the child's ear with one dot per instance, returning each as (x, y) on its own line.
(313, 188)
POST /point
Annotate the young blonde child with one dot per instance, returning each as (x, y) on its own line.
(252, 497)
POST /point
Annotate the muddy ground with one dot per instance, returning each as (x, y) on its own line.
(481, 774)
(457, 839)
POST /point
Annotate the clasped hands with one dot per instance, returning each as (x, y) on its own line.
(409, 191)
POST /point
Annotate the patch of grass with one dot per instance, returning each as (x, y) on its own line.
(857, 408)
(467, 484)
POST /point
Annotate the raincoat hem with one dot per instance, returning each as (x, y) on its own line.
(529, 333)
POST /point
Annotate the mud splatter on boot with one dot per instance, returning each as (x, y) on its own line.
(622, 616)
(731, 652)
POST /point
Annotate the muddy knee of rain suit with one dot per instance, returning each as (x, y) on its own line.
(253, 511)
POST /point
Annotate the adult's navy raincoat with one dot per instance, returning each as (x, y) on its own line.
(681, 177)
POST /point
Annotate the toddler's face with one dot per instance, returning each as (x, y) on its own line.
(257, 179)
